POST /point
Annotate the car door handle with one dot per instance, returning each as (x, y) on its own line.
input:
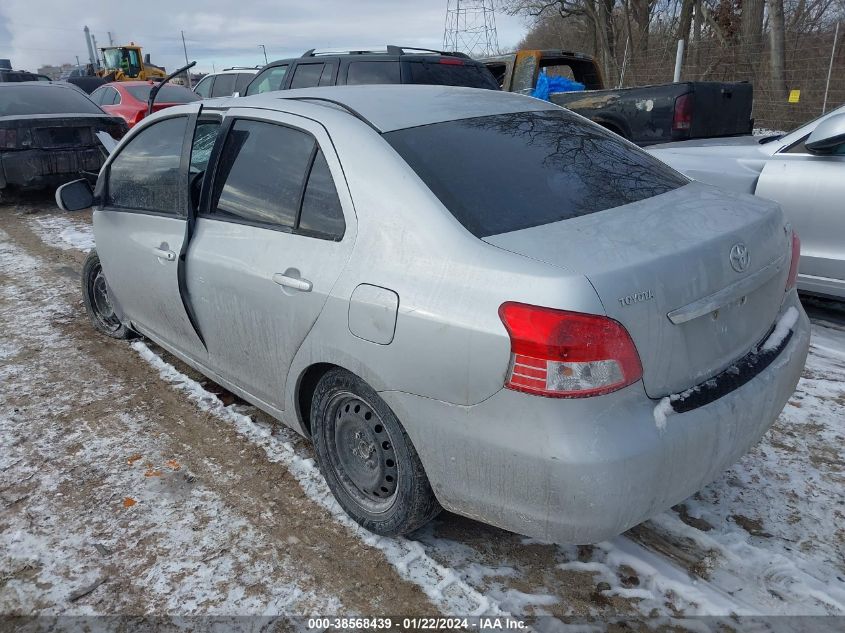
(165, 254)
(293, 282)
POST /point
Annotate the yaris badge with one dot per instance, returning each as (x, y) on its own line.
(740, 258)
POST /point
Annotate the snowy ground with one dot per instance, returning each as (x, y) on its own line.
(90, 426)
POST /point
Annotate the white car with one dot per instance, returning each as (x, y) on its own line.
(804, 171)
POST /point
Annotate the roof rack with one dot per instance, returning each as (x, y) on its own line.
(389, 49)
(244, 68)
(339, 104)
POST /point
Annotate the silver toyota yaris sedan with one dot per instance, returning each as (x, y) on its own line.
(467, 299)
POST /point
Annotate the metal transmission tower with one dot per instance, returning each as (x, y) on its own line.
(471, 28)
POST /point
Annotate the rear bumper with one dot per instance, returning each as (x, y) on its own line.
(40, 169)
(583, 470)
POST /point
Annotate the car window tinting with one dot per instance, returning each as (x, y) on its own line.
(469, 75)
(306, 75)
(372, 72)
(321, 210)
(509, 172)
(167, 94)
(145, 174)
(22, 99)
(262, 170)
(242, 82)
(203, 88)
(224, 85)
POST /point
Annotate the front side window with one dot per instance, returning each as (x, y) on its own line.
(268, 80)
(508, 172)
(146, 174)
(373, 73)
(261, 173)
(306, 75)
(243, 82)
(224, 86)
(205, 135)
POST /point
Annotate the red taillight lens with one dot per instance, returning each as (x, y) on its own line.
(564, 354)
(451, 61)
(793, 265)
(8, 139)
(682, 117)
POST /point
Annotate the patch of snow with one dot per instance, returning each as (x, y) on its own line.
(782, 329)
(662, 411)
(65, 232)
(444, 588)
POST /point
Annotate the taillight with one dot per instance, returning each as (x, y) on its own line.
(8, 138)
(793, 265)
(682, 117)
(562, 354)
(451, 61)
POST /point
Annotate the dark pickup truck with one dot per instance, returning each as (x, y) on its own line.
(645, 115)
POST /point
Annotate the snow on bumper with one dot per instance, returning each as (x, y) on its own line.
(583, 470)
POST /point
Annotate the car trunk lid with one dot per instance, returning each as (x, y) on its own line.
(60, 131)
(663, 267)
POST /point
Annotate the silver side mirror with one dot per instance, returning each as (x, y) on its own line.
(828, 135)
(75, 195)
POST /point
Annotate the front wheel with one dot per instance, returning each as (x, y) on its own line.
(367, 458)
(98, 305)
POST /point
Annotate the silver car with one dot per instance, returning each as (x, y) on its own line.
(804, 171)
(468, 299)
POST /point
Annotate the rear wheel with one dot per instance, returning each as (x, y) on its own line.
(367, 458)
(98, 305)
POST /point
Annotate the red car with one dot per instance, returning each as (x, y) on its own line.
(128, 99)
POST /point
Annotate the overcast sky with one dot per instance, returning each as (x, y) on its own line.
(221, 32)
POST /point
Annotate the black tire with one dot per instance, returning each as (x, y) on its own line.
(96, 300)
(388, 492)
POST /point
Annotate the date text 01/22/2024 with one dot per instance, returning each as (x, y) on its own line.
(484, 623)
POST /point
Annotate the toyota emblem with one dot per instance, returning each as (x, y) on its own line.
(740, 257)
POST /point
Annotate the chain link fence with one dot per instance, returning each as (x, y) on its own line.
(810, 60)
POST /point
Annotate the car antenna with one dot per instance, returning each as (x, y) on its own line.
(158, 86)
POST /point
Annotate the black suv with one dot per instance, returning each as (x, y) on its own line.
(394, 65)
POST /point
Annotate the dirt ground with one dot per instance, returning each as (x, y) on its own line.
(127, 488)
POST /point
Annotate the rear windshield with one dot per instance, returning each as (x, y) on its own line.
(22, 99)
(458, 73)
(167, 94)
(508, 172)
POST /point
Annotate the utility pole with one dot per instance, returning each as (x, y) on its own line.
(77, 62)
(187, 72)
(263, 48)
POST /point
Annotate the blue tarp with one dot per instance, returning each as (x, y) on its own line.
(548, 84)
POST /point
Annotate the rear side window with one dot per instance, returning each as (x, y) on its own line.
(224, 85)
(242, 82)
(373, 73)
(306, 75)
(321, 210)
(21, 99)
(262, 172)
(449, 71)
(168, 93)
(268, 80)
(146, 174)
(509, 172)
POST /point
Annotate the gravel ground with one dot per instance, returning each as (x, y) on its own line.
(130, 484)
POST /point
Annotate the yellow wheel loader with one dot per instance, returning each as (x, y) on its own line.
(126, 63)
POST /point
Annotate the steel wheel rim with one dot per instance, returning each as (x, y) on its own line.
(361, 452)
(100, 302)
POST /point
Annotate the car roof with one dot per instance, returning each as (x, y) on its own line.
(397, 106)
(43, 84)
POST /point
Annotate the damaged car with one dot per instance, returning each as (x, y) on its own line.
(48, 135)
(467, 299)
